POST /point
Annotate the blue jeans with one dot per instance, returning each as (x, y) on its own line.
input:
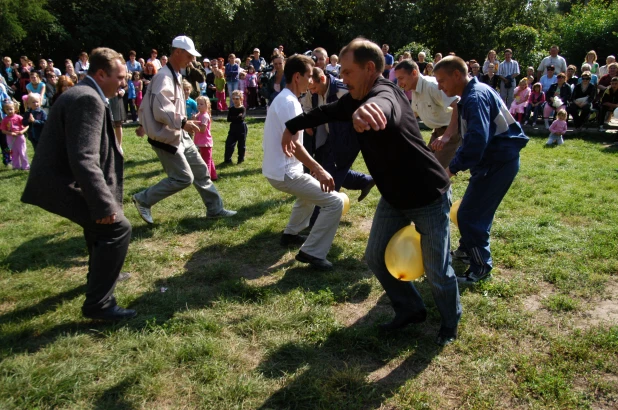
(432, 222)
(538, 110)
(488, 186)
(232, 85)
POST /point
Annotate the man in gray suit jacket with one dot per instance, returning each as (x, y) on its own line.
(77, 173)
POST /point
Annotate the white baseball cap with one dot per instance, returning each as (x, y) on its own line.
(256, 49)
(185, 43)
(206, 61)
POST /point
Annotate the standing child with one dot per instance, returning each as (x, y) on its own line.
(252, 87)
(12, 126)
(558, 128)
(220, 93)
(520, 100)
(203, 138)
(34, 119)
(137, 83)
(238, 129)
(191, 104)
(131, 96)
(242, 86)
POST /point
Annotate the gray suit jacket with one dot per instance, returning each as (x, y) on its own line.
(77, 171)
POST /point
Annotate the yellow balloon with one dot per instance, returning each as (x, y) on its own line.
(346, 203)
(403, 256)
(454, 210)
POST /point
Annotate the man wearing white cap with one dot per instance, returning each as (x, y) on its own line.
(163, 118)
(257, 62)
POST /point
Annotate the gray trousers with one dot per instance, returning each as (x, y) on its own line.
(309, 194)
(184, 168)
(507, 94)
(447, 153)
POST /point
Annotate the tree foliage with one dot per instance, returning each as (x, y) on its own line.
(63, 28)
(592, 26)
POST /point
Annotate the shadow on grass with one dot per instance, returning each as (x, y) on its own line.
(201, 223)
(44, 251)
(114, 397)
(136, 163)
(10, 174)
(226, 172)
(350, 369)
(43, 306)
(216, 272)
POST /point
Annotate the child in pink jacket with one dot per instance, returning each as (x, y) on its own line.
(558, 128)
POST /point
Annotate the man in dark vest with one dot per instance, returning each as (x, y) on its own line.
(77, 173)
(334, 145)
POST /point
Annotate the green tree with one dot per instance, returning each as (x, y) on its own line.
(525, 43)
(24, 26)
(593, 26)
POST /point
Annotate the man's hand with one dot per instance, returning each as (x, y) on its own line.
(31, 118)
(368, 117)
(439, 143)
(191, 127)
(108, 220)
(327, 183)
(287, 143)
(140, 131)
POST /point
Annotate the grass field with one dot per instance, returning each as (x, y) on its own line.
(228, 320)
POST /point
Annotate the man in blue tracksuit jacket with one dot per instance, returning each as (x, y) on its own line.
(492, 140)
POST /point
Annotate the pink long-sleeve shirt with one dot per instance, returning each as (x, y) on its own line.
(558, 127)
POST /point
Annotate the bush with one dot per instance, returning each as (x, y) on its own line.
(593, 26)
(414, 48)
(525, 43)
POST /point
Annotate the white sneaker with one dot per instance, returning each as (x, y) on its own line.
(143, 211)
(224, 213)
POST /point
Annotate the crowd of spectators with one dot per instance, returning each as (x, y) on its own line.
(582, 90)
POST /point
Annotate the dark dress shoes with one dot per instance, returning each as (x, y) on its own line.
(317, 263)
(288, 239)
(112, 314)
(446, 336)
(365, 191)
(402, 320)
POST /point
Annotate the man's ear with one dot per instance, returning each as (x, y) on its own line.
(371, 66)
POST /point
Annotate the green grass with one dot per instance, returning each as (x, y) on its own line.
(241, 325)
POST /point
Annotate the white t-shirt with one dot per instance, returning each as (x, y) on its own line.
(431, 104)
(276, 165)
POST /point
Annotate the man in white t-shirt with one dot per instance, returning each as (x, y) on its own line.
(286, 173)
(553, 59)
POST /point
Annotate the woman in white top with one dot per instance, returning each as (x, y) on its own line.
(491, 59)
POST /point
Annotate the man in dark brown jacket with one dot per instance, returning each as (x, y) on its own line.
(77, 173)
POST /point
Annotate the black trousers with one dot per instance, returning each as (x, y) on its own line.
(107, 250)
(237, 135)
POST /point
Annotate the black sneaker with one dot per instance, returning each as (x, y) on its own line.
(365, 191)
(288, 239)
(461, 256)
(471, 277)
(446, 336)
(317, 263)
